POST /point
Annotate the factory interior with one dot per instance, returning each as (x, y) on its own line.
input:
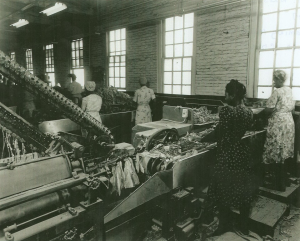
(150, 120)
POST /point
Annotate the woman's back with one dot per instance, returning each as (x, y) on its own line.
(282, 100)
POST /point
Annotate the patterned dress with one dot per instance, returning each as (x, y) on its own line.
(142, 97)
(280, 139)
(232, 182)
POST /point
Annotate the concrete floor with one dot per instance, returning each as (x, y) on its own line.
(288, 229)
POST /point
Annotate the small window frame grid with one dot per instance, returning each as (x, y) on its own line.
(182, 57)
(77, 54)
(117, 59)
(29, 60)
(289, 69)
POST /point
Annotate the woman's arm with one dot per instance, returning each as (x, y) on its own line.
(84, 104)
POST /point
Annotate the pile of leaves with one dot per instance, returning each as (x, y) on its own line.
(203, 115)
(115, 101)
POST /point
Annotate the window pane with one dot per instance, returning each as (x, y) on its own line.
(188, 49)
(169, 37)
(177, 78)
(269, 22)
(283, 58)
(288, 77)
(265, 77)
(177, 64)
(188, 35)
(123, 83)
(186, 78)
(123, 58)
(298, 36)
(189, 20)
(296, 76)
(111, 82)
(123, 45)
(117, 71)
(118, 45)
(266, 59)
(169, 51)
(111, 72)
(168, 77)
(287, 4)
(117, 82)
(111, 35)
(187, 64)
(118, 34)
(264, 92)
(80, 75)
(178, 22)
(297, 57)
(169, 24)
(112, 46)
(186, 90)
(168, 89)
(270, 6)
(81, 43)
(117, 59)
(287, 19)
(178, 36)
(296, 93)
(176, 89)
(168, 64)
(123, 33)
(268, 40)
(178, 50)
(298, 16)
(123, 72)
(285, 38)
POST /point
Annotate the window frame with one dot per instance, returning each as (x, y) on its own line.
(30, 62)
(46, 64)
(162, 51)
(108, 56)
(80, 57)
(255, 43)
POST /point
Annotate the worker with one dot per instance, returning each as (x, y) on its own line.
(232, 183)
(279, 145)
(91, 103)
(28, 105)
(142, 97)
(75, 90)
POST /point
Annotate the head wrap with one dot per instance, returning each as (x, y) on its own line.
(90, 85)
(143, 80)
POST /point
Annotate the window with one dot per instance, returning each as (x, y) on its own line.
(178, 54)
(117, 58)
(50, 63)
(279, 45)
(77, 60)
(29, 64)
(13, 56)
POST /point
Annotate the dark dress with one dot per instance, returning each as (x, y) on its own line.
(232, 179)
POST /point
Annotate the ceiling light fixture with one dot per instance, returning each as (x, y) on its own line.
(20, 23)
(56, 8)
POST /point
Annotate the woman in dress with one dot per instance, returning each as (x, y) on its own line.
(232, 183)
(91, 103)
(142, 97)
(279, 145)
